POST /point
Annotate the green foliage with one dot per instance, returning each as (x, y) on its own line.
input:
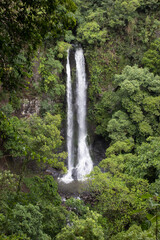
(107, 104)
(35, 214)
(7, 109)
(137, 105)
(145, 163)
(42, 190)
(24, 25)
(83, 229)
(155, 187)
(50, 106)
(77, 206)
(54, 219)
(101, 73)
(91, 33)
(151, 58)
(130, 169)
(11, 104)
(69, 37)
(51, 85)
(14, 237)
(130, 27)
(8, 185)
(62, 49)
(117, 194)
(124, 108)
(121, 11)
(49, 68)
(15, 100)
(31, 222)
(120, 147)
(135, 233)
(120, 127)
(117, 155)
(34, 139)
(8, 188)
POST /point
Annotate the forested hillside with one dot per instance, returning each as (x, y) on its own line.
(121, 43)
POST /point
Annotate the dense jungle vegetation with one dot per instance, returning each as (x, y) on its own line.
(121, 41)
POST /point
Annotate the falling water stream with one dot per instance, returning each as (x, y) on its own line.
(84, 163)
(68, 177)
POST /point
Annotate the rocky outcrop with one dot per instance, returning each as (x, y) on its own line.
(29, 107)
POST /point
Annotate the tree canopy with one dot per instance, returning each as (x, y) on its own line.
(137, 105)
(24, 24)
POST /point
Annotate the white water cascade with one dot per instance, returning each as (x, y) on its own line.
(68, 177)
(84, 162)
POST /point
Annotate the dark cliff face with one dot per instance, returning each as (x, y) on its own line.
(98, 149)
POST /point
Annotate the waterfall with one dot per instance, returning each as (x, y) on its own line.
(68, 177)
(84, 162)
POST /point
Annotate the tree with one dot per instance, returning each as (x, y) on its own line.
(8, 187)
(24, 25)
(135, 171)
(120, 127)
(42, 190)
(140, 161)
(145, 162)
(83, 229)
(27, 220)
(135, 233)
(54, 219)
(33, 139)
(77, 206)
(34, 214)
(91, 33)
(117, 195)
(137, 104)
(14, 237)
(151, 58)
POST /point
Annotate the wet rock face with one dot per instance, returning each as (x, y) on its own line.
(99, 147)
(54, 172)
(29, 107)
